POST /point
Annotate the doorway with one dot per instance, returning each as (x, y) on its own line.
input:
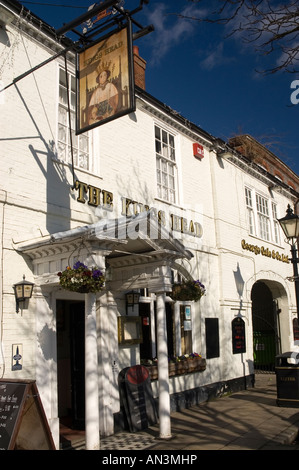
(71, 362)
(147, 351)
(266, 327)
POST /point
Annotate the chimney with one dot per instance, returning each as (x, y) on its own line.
(139, 68)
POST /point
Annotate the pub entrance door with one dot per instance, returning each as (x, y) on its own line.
(266, 328)
(71, 363)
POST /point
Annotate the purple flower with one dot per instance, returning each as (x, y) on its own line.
(79, 265)
(97, 273)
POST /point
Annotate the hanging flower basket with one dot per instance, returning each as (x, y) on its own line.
(81, 279)
(188, 290)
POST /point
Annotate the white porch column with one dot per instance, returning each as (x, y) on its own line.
(163, 373)
(92, 431)
(177, 321)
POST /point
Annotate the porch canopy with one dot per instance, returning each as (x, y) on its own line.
(133, 252)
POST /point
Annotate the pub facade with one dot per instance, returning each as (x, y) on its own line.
(153, 202)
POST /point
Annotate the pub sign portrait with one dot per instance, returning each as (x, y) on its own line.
(105, 83)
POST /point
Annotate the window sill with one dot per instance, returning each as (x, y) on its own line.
(270, 242)
(180, 368)
(164, 201)
(77, 168)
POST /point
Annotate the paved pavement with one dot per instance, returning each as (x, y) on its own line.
(246, 420)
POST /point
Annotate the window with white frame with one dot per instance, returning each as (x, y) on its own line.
(262, 216)
(250, 213)
(166, 165)
(67, 143)
(276, 230)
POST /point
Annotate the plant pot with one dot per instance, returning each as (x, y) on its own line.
(84, 290)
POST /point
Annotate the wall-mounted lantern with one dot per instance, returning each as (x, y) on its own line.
(132, 298)
(23, 291)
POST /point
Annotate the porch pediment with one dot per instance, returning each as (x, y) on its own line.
(132, 255)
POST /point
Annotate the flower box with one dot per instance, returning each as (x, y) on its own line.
(196, 364)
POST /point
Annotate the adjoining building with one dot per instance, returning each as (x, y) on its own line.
(151, 200)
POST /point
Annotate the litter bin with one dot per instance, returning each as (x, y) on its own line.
(287, 379)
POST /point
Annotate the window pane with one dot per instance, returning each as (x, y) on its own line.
(250, 221)
(159, 177)
(73, 84)
(74, 139)
(164, 138)
(62, 133)
(75, 156)
(165, 150)
(73, 121)
(83, 161)
(62, 115)
(62, 77)
(172, 197)
(248, 197)
(171, 141)
(83, 143)
(73, 102)
(171, 182)
(157, 133)
(171, 153)
(61, 150)
(63, 96)
(158, 147)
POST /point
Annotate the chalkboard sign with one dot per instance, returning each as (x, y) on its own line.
(238, 335)
(23, 423)
(137, 398)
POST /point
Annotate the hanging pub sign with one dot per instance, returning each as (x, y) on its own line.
(105, 82)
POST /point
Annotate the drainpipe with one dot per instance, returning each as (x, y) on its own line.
(92, 429)
(3, 199)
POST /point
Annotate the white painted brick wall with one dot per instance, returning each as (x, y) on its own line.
(39, 199)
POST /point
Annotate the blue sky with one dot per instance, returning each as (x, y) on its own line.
(208, 78)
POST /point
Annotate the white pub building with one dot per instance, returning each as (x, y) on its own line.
(150, 200)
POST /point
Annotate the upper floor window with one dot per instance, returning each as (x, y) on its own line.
(275, 223)
(261, 216)
(79, 144)
(250, 213)
(166, 165)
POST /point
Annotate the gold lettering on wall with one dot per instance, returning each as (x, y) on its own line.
(264, 251)
(130, 208)
(96, 196)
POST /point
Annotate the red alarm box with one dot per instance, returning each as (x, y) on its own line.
(198, 151)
